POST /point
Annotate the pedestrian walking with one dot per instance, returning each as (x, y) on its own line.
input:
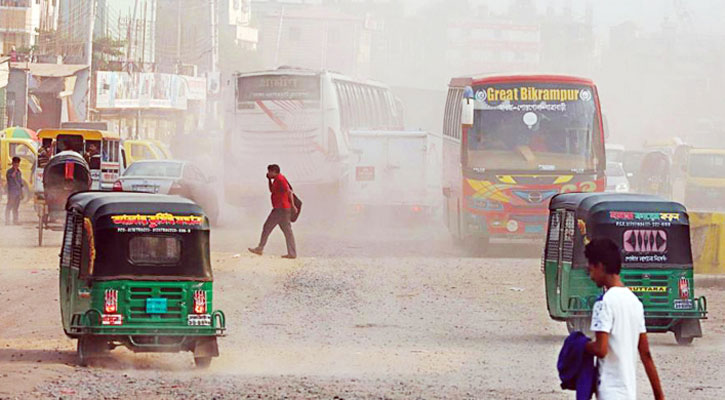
(14, 179)
(619, 326)
(283, 207)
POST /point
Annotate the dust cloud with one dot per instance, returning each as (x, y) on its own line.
(656, 65)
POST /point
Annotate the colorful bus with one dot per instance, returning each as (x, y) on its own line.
(300, 119)
(526, 138)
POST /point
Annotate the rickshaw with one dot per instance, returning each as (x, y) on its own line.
(65, 173)
(654, 237)
(80, 159)
(135, 271)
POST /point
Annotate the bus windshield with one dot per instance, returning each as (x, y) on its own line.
(534, 126)
(707, 165)
(303, 89)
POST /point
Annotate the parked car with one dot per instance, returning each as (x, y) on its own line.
(616, 178)
(171, 177)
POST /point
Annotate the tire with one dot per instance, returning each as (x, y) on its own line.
(40, 231)
(88, 349)
(202, 362)
(683, 341)
(579, 324)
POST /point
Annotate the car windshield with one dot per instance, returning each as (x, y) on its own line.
(534, 126)
(159, 169)
(614, 169)
(707, 165)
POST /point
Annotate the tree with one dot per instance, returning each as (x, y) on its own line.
(106, 53)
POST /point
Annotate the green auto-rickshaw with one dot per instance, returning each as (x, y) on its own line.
(654, 237)
(135, 271)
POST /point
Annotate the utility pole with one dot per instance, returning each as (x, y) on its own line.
(178, 36)
(214, 37)
(279, 38)
(130, 37)
(143, 35)
(89, 55)
(212, 101)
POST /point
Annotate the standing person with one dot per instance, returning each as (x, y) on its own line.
(283, 206)
(15, 191)
(618, 323)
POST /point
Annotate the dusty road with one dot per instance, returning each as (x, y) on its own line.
(365, 313)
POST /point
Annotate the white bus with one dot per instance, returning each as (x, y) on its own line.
(299, 119)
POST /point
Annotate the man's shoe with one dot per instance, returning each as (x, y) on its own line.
(289, 257)
(255, 250)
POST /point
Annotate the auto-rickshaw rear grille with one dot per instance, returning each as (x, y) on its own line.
(138, 296)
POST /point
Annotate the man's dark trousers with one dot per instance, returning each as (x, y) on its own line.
(12, 206)
(281, 217)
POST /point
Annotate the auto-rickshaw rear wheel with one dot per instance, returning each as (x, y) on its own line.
(682, 340)
(90, 348)
(202, 362)
(581, 324)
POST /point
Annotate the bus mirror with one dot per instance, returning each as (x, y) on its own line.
(467, 107)
(467, 112)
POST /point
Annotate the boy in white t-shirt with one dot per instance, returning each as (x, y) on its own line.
(618, 322)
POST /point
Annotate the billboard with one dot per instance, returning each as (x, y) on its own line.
(116, 89)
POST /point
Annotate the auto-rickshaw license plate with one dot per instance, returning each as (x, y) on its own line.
(199, 320)
(156, 305)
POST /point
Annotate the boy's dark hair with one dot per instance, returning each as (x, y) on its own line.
(273, 168)
(605, 251)
(16, 159)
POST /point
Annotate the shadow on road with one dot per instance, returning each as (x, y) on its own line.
(44, 356)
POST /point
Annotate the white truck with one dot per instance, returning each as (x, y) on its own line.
(396, 171)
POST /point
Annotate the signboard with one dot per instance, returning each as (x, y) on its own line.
(365, 173)
(142, 90)
(278, 87)
(239, 12)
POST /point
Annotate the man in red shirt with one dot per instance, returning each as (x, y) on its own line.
(283, 206)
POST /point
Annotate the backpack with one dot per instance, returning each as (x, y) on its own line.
(298, 204)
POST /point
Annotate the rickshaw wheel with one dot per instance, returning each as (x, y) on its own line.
(88, 349)
(202, 362)
(40, 230)
(681, 340)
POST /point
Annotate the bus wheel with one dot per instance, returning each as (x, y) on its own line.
(202, 362)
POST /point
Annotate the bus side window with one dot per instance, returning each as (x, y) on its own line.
(357, 119)
(447, 131)
(457, 104)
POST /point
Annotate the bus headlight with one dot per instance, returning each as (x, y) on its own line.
(512, 225)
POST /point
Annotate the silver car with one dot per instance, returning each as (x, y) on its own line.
(616, 178)
(171, 177)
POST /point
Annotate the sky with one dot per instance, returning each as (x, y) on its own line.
(706, 15)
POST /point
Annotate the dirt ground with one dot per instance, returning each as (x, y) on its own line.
(366, 312)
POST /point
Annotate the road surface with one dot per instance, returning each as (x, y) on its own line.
(366, 312)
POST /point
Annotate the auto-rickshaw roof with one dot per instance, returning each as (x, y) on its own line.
(88, 134)
(96, 205)
(590, 203)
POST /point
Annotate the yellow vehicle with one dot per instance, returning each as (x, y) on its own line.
(26, 149)
(137, 149)
(704, 179)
